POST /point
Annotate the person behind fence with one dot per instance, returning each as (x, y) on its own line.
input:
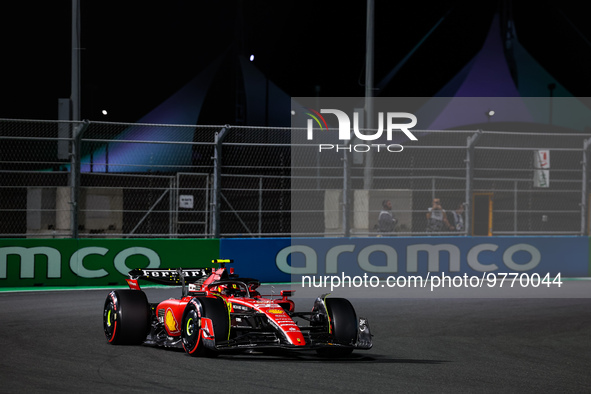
(437, 218)
(386, 221)
(456, 219)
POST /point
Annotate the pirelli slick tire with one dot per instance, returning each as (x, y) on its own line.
(191, 334)
(126, 317)
(343, 323)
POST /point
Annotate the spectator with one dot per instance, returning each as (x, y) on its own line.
(457, 218)
(386, 221)
(437, 218)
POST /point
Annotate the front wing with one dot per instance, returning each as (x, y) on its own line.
(316, 337)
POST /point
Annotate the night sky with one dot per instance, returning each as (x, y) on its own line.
(136, 54)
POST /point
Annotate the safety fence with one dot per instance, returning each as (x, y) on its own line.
(116, 180)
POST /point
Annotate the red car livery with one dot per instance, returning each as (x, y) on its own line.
(221, 312)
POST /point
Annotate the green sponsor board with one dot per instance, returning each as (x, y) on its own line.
(95, 262)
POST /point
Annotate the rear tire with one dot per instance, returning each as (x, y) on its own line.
(192, 337)
(343, 320)
(126, 317)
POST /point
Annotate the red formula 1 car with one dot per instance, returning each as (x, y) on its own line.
(221, 312)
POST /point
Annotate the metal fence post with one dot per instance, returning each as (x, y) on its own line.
(173, 208)
(471, 141)
(260, 206)
(346, 187)
(75, 175)
(217, 172)
(586, 144)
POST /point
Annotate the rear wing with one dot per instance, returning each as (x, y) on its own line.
(169, 276)
(179, 276)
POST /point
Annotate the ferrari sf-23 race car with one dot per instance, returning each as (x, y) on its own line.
(222, 312)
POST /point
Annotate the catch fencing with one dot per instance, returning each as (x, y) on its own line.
(117, 180)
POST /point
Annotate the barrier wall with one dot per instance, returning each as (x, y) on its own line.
(286, 260)
(95, 262)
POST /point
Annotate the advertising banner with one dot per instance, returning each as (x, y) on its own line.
(95, 262)
(99, 262)
(282, 259)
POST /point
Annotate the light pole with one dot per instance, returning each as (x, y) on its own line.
(75, 73)
(369, 47)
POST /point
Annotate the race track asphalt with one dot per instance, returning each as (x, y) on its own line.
(53, 341)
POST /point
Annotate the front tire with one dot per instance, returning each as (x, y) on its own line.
(343, 324)
(191, 333)
(126, 317)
